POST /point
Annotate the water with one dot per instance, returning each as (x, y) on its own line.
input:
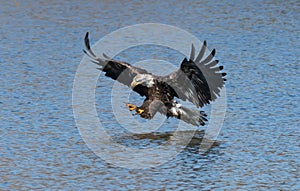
(258, 147)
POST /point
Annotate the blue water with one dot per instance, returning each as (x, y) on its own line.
(41, 47)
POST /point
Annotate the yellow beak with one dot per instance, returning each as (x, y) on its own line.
(133, 84)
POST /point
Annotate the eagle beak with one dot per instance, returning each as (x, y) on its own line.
(133, 84)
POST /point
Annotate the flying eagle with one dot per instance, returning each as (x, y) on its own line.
(198, 80)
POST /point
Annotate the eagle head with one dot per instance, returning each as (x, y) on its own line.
(142, 79)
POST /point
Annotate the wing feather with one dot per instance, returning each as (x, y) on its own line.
(198, 80)
(117, 70)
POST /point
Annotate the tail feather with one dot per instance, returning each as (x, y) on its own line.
(192, 116)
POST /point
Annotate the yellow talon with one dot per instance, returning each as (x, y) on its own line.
(140, 111)
(131, 107)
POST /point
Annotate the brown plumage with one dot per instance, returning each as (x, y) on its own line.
(198, 80)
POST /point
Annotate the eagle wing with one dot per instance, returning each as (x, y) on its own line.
(199, 79)
(117, 70)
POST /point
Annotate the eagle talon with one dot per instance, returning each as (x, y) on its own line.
(131, 107)
(139, 111)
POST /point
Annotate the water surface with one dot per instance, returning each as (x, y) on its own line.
(259, 145)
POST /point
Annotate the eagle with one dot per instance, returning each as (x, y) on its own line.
(199, 80)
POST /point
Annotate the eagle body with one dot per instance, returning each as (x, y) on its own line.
(198, 80)
(159, 100)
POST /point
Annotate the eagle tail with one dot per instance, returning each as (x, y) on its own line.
(192, 116)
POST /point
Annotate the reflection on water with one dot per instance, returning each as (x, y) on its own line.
(160, 138)
(41, 148)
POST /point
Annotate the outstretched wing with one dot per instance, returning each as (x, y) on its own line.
(117, 70)
(199, 79)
